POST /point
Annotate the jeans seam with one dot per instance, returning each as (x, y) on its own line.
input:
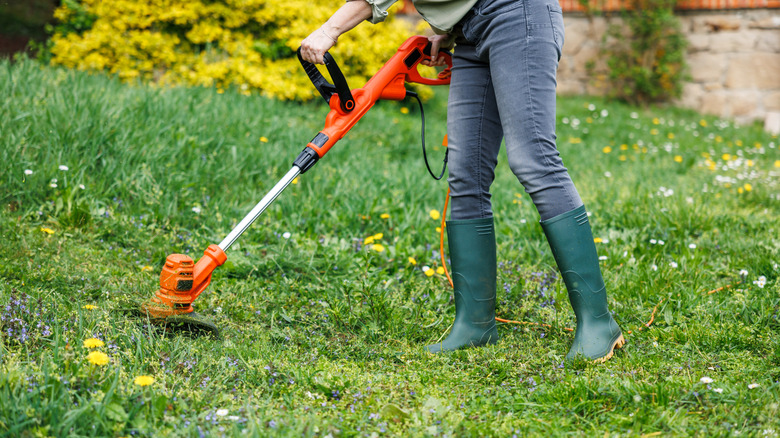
(482, 213)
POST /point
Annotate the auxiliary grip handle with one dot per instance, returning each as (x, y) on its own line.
(326, 89)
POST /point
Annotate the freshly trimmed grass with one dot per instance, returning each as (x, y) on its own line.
(323, 334)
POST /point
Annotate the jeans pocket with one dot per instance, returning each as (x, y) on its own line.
(495, 7)
(556, 21)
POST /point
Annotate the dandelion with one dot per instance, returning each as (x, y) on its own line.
(725, 157)
(777, 163)
(28, 172)
(97, 358)
(670, 136)
(753, 386)
(93, 343)
(404, 110)
(63, 168)
(264, 139)
(384, 216)
(143, 380)
(89, 307)
(368, 240)
(440, 270)
(748, 187)
(47, 230)
(606, 149)
(703, 123)
(597, 240)
(427, 271)
(286, 235)
(295, 180)
(412, 261)
(678, 159)
(706, 380)
(378, 247)
(575, 140)
(434, 214)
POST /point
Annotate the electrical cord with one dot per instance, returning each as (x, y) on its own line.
(422, 139)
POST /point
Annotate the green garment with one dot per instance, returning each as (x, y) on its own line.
(442, 15)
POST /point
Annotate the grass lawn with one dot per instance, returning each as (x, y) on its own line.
(322, 333)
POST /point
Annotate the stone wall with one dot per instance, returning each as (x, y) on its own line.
(733, 59)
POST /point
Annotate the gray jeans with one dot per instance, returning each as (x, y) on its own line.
(503, 86)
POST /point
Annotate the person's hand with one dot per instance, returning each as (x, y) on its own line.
(439, 42)
(314, 46)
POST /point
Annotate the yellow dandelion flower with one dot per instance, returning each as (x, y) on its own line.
(622, 158)
(606, 149)
(654, 131)
(575, 140)
(748, 187)
(670, 136)
(412, 261)
(440, 270)
(740, 190)
(97, 358)
(725, 157)
(623, 147)
(384, 216)
(738, 143)
(404, 110)
(777, 163)
(428, 271)
(589, 120)
(89, 307)
(597, 240)
(93, 343)
(378, 236)
(678, 159)
(143, 380)
(703, 123)
(718, 139)
(434, 214)
(757, 145)
(47, 230)
(264, 139)
(378, 247)
(295, 180)
(368, 240)
(750, 163)
(438, 229)
(656, 121)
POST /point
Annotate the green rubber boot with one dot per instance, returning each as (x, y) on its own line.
(472, 246)
(571, 241)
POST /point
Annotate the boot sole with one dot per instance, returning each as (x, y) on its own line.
(619, 342)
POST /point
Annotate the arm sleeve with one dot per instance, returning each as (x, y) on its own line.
(378, 8)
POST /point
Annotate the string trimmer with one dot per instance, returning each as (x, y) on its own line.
(182, 280)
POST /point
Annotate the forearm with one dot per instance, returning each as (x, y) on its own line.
(349, 15)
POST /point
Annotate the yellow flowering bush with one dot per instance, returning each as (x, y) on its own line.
(248, 44)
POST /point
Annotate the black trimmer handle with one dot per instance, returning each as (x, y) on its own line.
(326, 89)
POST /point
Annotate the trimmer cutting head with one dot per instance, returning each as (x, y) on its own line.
(181, 282)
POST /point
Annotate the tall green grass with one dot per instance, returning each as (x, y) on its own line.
(323, 333)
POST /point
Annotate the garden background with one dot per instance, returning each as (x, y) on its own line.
(325, 303)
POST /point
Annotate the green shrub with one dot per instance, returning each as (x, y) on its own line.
(646, 53)
(249, 44)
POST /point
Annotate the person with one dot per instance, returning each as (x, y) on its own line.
(505, 59)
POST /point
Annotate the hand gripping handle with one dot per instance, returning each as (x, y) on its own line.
(326, 89)
(444, 76)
